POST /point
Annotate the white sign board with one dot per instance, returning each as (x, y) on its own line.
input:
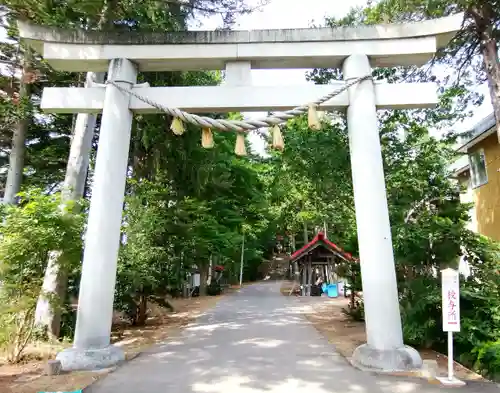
(451, 300)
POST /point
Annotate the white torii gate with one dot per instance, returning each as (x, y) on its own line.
(355, 50)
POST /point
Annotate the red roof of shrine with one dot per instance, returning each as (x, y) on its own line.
(321, 240)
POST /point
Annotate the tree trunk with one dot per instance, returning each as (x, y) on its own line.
(203, 279)
(16, 157)
(353, 293)
(492, 66)
(306, 236)
(209, 279)
(142, 311)
(48, 315)
(51, 299)
(81, 145)
(483, 16)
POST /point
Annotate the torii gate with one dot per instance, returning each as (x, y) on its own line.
(354, 49)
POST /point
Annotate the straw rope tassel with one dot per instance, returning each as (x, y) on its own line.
(278, 142)
(240, 148)
(207, 138)
(177, 126)
(313, 118)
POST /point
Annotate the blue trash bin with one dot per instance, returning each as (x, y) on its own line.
(332, 290)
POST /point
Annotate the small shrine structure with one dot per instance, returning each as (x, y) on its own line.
(316, 263)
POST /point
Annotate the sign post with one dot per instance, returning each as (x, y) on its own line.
(451, 318)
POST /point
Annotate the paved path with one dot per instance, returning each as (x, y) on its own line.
(254, 341)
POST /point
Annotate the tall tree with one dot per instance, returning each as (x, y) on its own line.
(18, 149)
(473, 52)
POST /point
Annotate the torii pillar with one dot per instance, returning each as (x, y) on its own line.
(91, 348)
(384, 350)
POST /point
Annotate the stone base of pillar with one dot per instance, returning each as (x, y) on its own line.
(73, 359)
(401, 359)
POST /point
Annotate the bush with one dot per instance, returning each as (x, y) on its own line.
(477, 345)
(420, 306)
(68, 322)
(16, 325)
(356, 312)
(29, 232)
(488, 359)
(214, 289)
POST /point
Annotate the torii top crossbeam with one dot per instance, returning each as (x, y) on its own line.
(386, 45)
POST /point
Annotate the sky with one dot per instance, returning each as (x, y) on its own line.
(279, 14)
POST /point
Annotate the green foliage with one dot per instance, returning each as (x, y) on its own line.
(355, 311)
(214, 289)
(311, 182)
(488, 359)
(421, 313)
(28, 233)
(16, 323)
(479, 308)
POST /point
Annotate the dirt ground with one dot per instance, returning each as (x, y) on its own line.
(327, 317)
(29, 377)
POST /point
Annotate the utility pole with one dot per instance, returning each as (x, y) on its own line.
(242, 258)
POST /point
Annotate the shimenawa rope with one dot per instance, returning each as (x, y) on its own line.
(240, 125)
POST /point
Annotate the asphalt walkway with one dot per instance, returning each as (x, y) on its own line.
(255, 341)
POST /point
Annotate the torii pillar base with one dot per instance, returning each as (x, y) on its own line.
(76, 359)
(368, 358)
